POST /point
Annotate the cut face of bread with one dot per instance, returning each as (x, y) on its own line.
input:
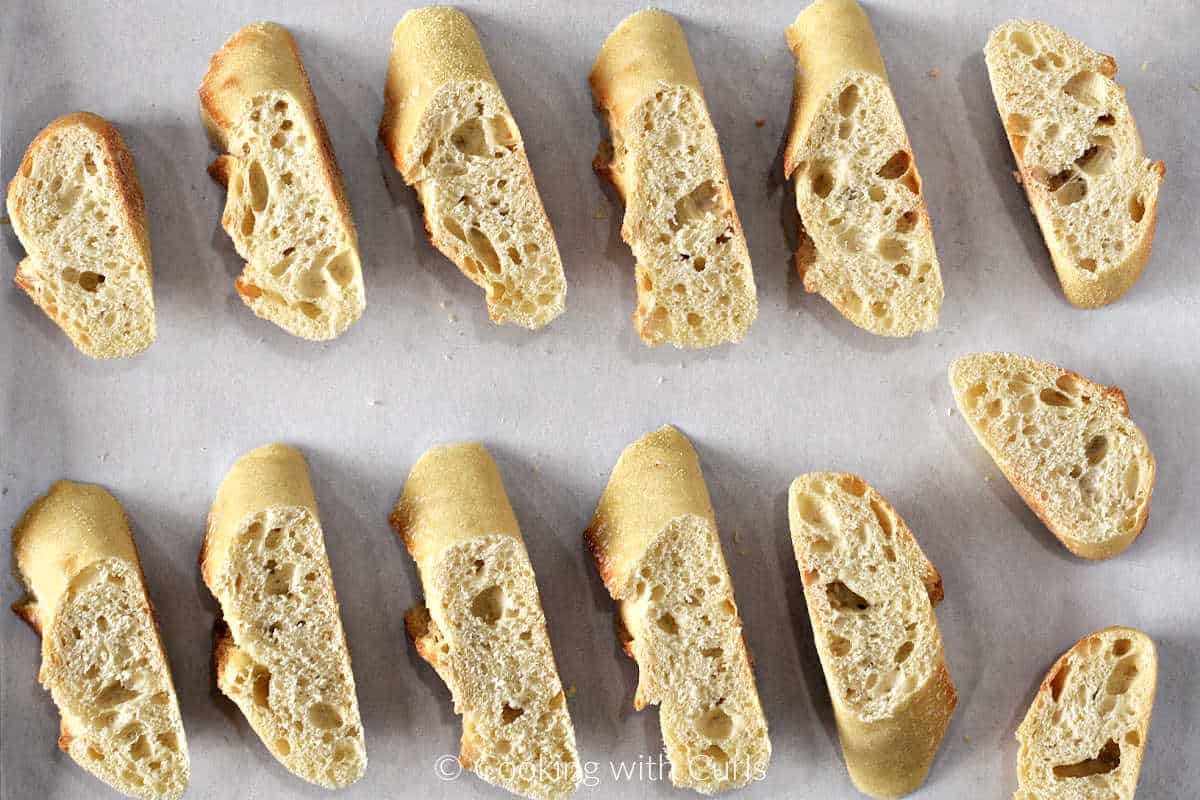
(102, 658)
(695, 285)
(1085, 734)
(280, 652)
(76, 205)
(1066, 444)
(1092, 189)
(655, 542)
(870, 592)
(286, 210)
(454, 139)
(482, 627)
(866, 244)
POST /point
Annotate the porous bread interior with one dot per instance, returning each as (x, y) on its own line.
(489, 644)
(87, 268)
(482, 207)
(286, 664)
(1066, 443)
(866, 244)
(302, 266)
(1085, 733)
(1077, 145)
(679, 613)
(105, 667)
(694, 281)
(865, 582)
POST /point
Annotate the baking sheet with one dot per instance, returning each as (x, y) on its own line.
(805, 391)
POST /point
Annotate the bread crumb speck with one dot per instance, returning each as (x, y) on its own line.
(453, 319)
(950, 412)
(934, 73)
(600, 213)
(660, 378)
(371, 401)
(444, 304)
(1145, 66)
(571, 691)
(758, 123)
(5, 221)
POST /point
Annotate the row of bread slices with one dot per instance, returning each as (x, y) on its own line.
(866, 243)
(281, 655)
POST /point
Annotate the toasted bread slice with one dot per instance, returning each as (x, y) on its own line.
(76, 205)
(695, 286)
(870, 592)
(1079, 156)
(654, 538)
(102, 658)
(280, 651)
(866, 244)
(1085, 734)
(481, 626)
(286, 210)
(453, 138)
(1066, 444)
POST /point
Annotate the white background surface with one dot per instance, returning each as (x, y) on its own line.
(805, 391)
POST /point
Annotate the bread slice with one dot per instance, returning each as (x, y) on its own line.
(453, 138)
(76, 205)
(870, 592)
(866, 244)
(286, 210)
(695, 286)
(1085, 734)
(102, 657)
(280, 652)
(1092, 189)
(481, 626)
(654, 538)
(1066, 444)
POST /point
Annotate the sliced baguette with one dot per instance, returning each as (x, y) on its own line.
(76, 205)
(286, 210)
(453, 138)
(1066, 444)
(1085, 734)
(654, 539)
(866, 244)
(870, 592)
(695, 286)
(102, 656)
(1092, 189)
(280, 651)
(481, 626)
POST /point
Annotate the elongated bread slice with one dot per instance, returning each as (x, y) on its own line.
(654, 538)
(280, 651)
(76, 205)
(870, 592)
(1066, 444)
(866, 244)
(482, 627)
(286, 210)
(102, 658)
(453, 138)
(1085, 734)
(695, 286)
(1092, 189)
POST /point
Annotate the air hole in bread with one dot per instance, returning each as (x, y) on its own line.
(114, 695)
(259, 190)
(821, 180)
(1137, 209)
(1053, 397)
(1121, 647)
(1097, 449)
(1122, 676)
(1087, 87)
(1023, 42)
(848, 100)
(1134, 738)
(1097, 159)
(813, 511)
(666, 622)
(489, 604)
(90, 281)
(310, 310)
(843, 598)
(906, 222)
(715, 723)
(896, 166)
(483, 248)
(892, 248)
(903, 652)
(509, 714)
(1107, 760)
(324, 716)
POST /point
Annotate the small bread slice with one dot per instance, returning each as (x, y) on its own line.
(695, 286)
(654, 538)
(453, 138)
(870, 592)
(1067, 446)
(481, 626)
(76, 205)
(280, 651)
(1092, 189)
(1085, 734)
(102, 657)
(286, 210)
(866, 244)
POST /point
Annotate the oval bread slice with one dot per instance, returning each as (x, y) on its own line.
(102, 657)
(870, 592)
(1085, 733)
(1066, 444)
